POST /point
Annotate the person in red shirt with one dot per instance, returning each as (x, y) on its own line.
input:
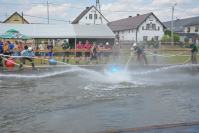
(87, 46)
(79, 46)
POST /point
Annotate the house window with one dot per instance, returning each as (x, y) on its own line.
(158, 27)
(129, 31)
(142, 27)
(145, 38)
(153, 26)
(147, 26)
(95, 16)
(86, 17)
(150, 27)
(196, 28)
(90, 16)
(188, 29)
(156, 38)
(150, 18)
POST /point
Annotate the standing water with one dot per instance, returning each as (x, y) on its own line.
(74, 100)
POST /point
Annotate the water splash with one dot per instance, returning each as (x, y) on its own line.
(165, 69)
(41, 75)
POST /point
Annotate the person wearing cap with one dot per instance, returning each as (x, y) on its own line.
(194, 51)
(27, 54)
(66, 48)
(140, 53)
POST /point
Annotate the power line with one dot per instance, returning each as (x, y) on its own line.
(82, 8)
(46, 18)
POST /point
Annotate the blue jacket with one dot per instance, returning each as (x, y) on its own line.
(1, 47)
(11, 46)
(27, 53)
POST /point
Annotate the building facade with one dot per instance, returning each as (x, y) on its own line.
(179, 25)
(139, 28)
(192, 28)
(90, 16)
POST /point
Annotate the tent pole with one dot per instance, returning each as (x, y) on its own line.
(75, 47)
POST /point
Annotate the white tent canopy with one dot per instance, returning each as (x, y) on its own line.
(60, 31)
(93, 31)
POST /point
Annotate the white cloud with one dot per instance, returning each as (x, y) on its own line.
(41, 10)
(161, 8)
(169, 2)
(58, 12)
(112, 10)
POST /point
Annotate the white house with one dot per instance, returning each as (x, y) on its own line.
(192, 28)
(139, 28)
(90, 16)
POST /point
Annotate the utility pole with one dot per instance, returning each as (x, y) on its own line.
(99, 9)
(48, 11)
(172, 40)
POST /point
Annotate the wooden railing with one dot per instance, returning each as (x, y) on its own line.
(74, 50)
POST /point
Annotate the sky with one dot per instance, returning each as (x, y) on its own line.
(65, 11)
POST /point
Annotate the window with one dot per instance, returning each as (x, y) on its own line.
(196, 28)
(153, 26)
(145, 38)
(150, 18)
(158, 27)
(86, 17)
(95, 16)
(90, 16)
(150, 27)
(188, 29)
(156, 38)
(147, 26)
(142, 27)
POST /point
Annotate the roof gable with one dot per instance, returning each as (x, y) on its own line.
(179, 24)
(15, 13)
(83, 13)
(128, 23)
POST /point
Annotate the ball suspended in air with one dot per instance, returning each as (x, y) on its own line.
(52, 62)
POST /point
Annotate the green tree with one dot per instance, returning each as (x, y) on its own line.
(167, 32)
(176, 37)
(166, 38)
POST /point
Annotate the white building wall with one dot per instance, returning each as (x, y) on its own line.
(127, 35)
(130, 35)
(192, 29)
(151, 33)
(88, 20)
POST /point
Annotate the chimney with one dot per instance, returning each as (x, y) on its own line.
(138, 14)
(130, 16)
(87, 7)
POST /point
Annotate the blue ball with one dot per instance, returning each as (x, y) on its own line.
(114, 69)
(52, 62)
